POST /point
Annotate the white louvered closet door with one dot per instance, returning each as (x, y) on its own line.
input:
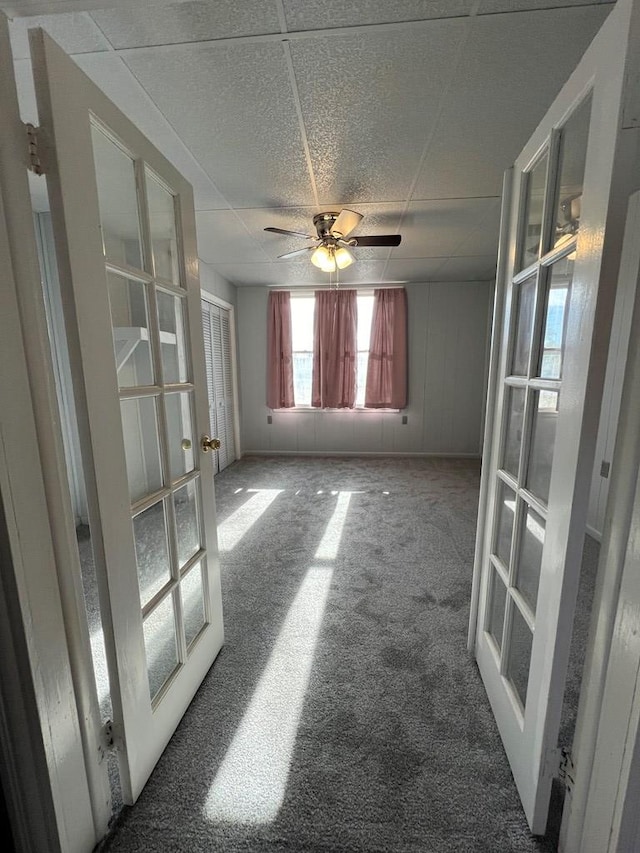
(225, 335)
(208, 357)
(217, 339)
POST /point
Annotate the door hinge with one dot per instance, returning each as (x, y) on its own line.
(34, 163)
(107, 742)
(566, 768)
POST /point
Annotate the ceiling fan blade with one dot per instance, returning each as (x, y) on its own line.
(290, 233)
(345, 223)
(297, 252)
(379, 240)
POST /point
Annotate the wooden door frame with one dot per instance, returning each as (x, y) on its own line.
(222, 303)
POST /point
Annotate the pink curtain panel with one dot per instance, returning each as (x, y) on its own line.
(279, 351)
(386, 386)
(334, 349)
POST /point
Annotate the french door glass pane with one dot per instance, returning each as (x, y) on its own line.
(141, 446)
(192, 603)
(118, 201)
(530, 557)
(560, 277)
(575, 135)
(162, 221)
(519, 654)
(543, 441)
(496, 608)
(505, 513)
(128, 303)
(514, 407)
(533, 210)
(185, 501)
(172, 338)
(152, 551)
(180, 433)
(160, 644)
(524, 327)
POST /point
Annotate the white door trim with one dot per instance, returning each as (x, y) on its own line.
(222, 303)
(38, 508)
(596, 745)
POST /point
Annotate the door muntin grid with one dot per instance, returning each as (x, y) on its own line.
(155, 416)
(531, 401)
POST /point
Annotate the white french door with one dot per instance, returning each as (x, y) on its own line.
(557, 289)
(125, 241)
(216, 326)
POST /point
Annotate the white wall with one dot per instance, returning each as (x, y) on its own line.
(448, 334)
(212, 282)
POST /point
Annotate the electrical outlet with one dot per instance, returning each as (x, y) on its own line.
(405, 419)
(269, 419)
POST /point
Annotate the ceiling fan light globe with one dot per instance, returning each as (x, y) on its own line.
(323, 259)
(344, 258)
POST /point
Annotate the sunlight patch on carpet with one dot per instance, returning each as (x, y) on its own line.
(240, 522)
(250, 785)
(330, 543)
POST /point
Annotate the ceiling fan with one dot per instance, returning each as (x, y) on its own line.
(331, 247)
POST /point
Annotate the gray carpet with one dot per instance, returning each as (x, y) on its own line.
(394, 747)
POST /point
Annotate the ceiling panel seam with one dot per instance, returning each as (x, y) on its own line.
(296, 99)
(111, 48)
(430, 136)
(299, 35)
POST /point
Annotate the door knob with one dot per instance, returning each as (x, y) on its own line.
(210, 443)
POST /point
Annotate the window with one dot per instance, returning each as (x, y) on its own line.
(302, 345)
(302, 309)
(365, 313)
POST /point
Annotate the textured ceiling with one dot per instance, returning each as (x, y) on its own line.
(408, 111)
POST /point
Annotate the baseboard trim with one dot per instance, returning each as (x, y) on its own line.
(363, 453)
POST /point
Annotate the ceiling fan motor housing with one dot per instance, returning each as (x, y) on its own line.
(324, 222)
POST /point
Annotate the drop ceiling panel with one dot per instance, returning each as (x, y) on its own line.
(279, 275)
(297, 273)
(413, 269)
(222, 238)
(468, 269)
(41, 7)
(235, 110)
(109, 72)
(321, 14)
(362, 272)
(75, 33)
(196, 20)
(484, 239)
(366, 137)
(439, 228)
(514, 65)
(492, 6)
(300, 219)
